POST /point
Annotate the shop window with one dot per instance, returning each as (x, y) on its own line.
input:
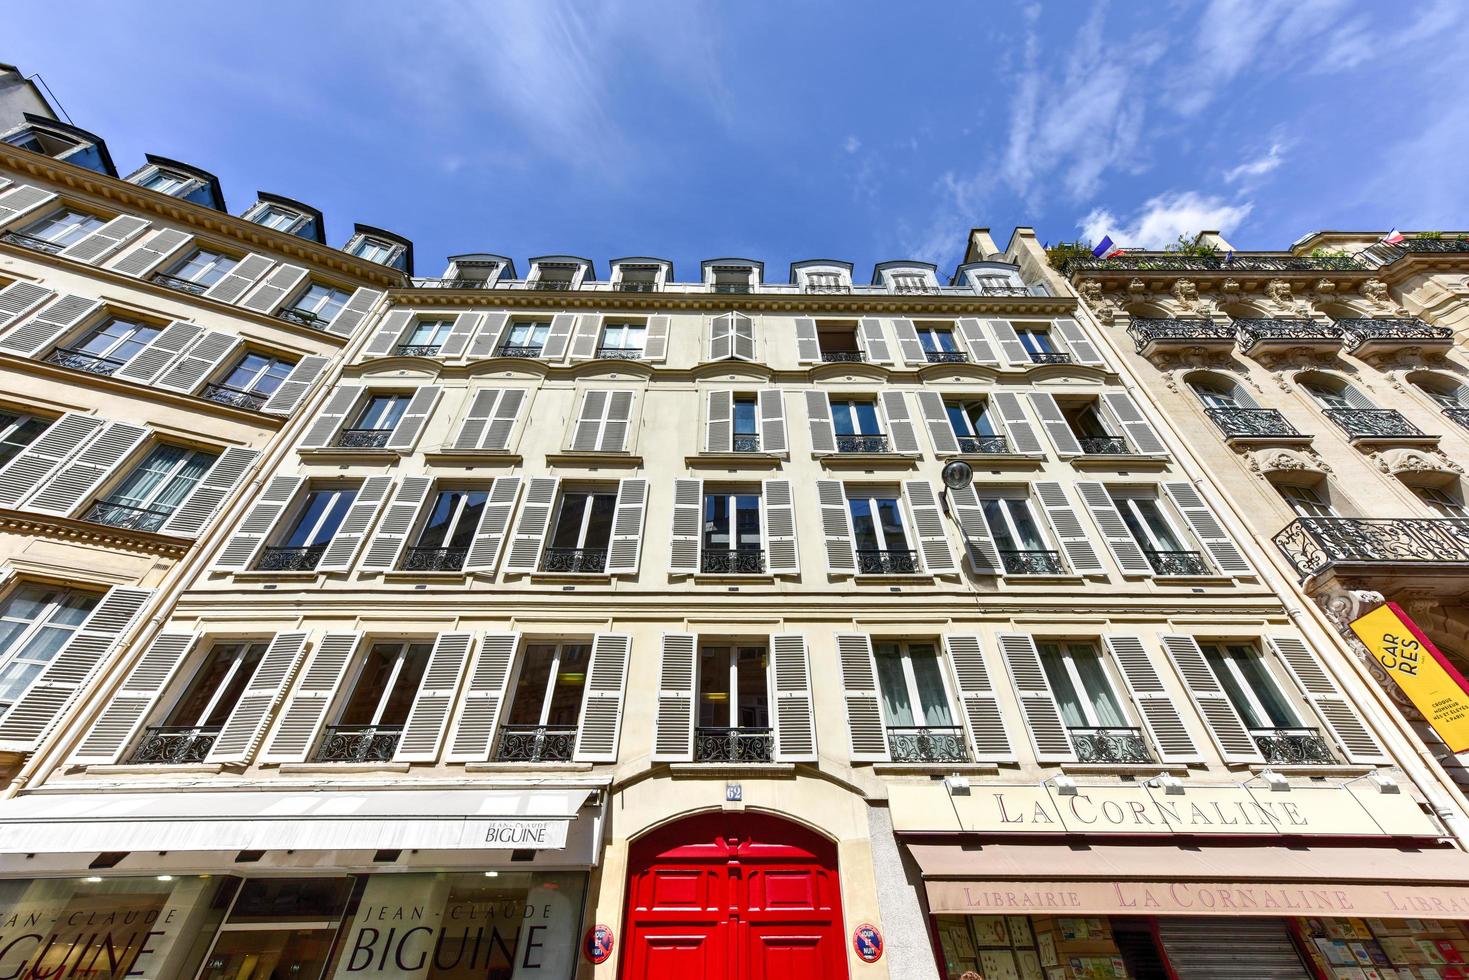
(545, 708)
(186, 733)
(733, 724)
(917, 709)
(36, 621)
(279, 927)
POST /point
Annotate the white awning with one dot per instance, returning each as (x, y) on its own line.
(180, 820)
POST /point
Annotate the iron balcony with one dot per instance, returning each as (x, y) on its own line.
(1374, 423)
(1149, 335)
(746, 744)
(927, 744)
(234, 397)
(1438, 545)
(1122, 746)
(535, 743)
(1293, 746)
(1372, 336)
(1255, 334)
(1252, 423)
(1230, 262)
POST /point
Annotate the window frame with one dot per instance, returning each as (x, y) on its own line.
(1026, 332)
(1067, 658)
(75, 231)
(328, 294)
(113, 496)
(13, 651)
(1126, 502)
(532, 326)
(963, 406)
(1211, 651)
(8, 429)
(303, 507)
(155, 172)
(270, 361)
(366, 418)
(99, 328)
(731, 496)
(624, 326)
(1022, 496)
(385, 696)
(588, 504)
(936, 332)
(732, 650)
(904, 654)
(266, 208)
(176, 268)
(870, 498)
(1448, 506)
(243, 648)
(452, 525)
(849, 406)
(548, 692)
(443, 326)
(1292, 494)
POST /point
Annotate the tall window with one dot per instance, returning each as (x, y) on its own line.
(858, 428)
(380, 701)
(1441, 502)
(624, 338)
(1081, 685)
(1018, 536)
(274, 216)
(936, 339)
(1305, 501)
(372, 249)
(527, 337)
(35, 622)
(1037, 341)
(1327, 397)
(746, 424)
(257, 374)
(321, 514)
(448, 531)
(205, 704)
(203, 267)
(975, 427)
(1250, 685)
(380, 414)
(582, 530)
(732, 687)
(154, 489)
(1215, 397)
(164, 181)
(109, 345)
(322, 302)
(880, 536)
(545, 707)
(1091, 429)
(913, 691)
(1150, 527)
(18, 431)
(732, 533)
(64, 227)
(1446, 397)
(428, 335)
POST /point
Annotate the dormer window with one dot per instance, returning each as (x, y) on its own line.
(165, 181)
(732, 279)
(637, 278)
(825, 282)
(46, 144)
(557, 277)
(372, 249)
(912, 282)
(277, 217)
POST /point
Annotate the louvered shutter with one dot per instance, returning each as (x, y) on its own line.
(275, 289)
(106, 240)
(494, 526)
(245, 727)
(1140, 435)
(414, 418)
(61, 441)
(423, 732)
(558, 338)
(818, 416)
(486, 342)
(1048, 734)
(227, 473)
(1011, 348)
(719, 422)
(808, 345)
(869, 737)
(1155, 705)
(936, 420)
(655, 343)
(908, 344)
(626, 547)
(600, 725)
(900, 423)
(301, 719)
(586, 434)
(673, 725)
(618, 425)
(1058, 430)
(22, 199)
(981, 351)
(1083, 351)
(928, 526)
(1206, 526)
(246, 272)
(1220, 718)
(478, 719)
(328, 422)
(489, 421)
(152, 253)
(979, 705)
(65, 490)
(721, 337)
(584, 341)
(354, 311)
(502, 421)
(127, 709)
(836, 528)
(20, 298)
(1066, 523)
(199, 361)
(778, 511)
(389, 334)
(260, 520)
(744, 337)
(360, 517)
(770, 403)
(392, 532)
(47, 327)
(792, 712)
(37, 710)
(1335, 710)
(688, 525)
(1357, 398)
(984, 558)
(160, 352)
(293, 390)
(457, 342)
(530, 529)
(874, 342)
(1022, 434)
(1123, 545)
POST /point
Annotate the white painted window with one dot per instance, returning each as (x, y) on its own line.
(323, 301)
(165, 181)
(158, 485)
(528, 334)
(1441, 502)
(259, 374)
(548, 689)
(1305, 501)
(1082, 686)
(203, 267)
(275, 216)
(35, 622)
(914, 693)
(18, 431)
(733, 689)
(386, 685)
(452, 520)
(1012, 523)
(623, 337)
(429, 333)
(877, 523)
(1145, 518)
(64, 227)
(372, 249)
(321, 514)
(117, 341)
(216, 686)
(1251, 685)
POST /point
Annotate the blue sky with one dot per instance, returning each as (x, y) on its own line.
(791, 130)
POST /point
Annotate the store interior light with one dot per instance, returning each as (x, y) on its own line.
(165, 877)
(92, 879)
(492, 874)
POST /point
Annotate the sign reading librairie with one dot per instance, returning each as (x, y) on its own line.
(1420, 670)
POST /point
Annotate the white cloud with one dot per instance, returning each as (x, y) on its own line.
(1258, 167)
(852, 144)
(1163, 218)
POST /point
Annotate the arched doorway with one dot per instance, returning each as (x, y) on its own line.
(733, 896)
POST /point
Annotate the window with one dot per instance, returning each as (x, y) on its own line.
(731, 280)
(107, 346)
(1215, 397)
(545, 708)
(1305, 501)
(880, 536)
(48, 144)
(915, 703)
(732, 538)
(154, 489)
(1039, 345)
(251, 382)
(18, 431)
(734, 705)
(64, 227)
(1018, 537)
(1327, 397)
(321, 514)
(322, 302)
(203, 268)
(1250, 686)
(746, 424)
(375, 422)
(824, 282)
(274, 216)
(999, 286)
(910, 282)
(1445, 397)
(1083, 690)
(188, 730)
(555, 276)
(975, 428)
(581, 532)
(838, 342)
(1154, 533)
(526, 338)
(858, 429)
(35, 622)
(1441, 502)
(447, 533)
(165, 181)
(372, 719)
(426, 337)
(623, 338)
(372, 249)
(938, 342)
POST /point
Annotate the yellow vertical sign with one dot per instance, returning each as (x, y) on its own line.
(1434, 686)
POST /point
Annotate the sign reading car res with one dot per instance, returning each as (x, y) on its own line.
(1420, 670)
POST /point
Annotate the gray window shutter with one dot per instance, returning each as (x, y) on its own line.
(793, 713)
(494, 526)
(502, 422)
(588, 332)
(1066, 523)
(61, 441)
(20, 298)
(900, 424)
(559, 336)
(486, 342)
(490, 421)
(673, 726)
(908, 343)
(199, 361)
(245, 727)
(392, 532)
(354, 311)
(328, 422)
(1023, 439)
(771, 404)
(423, 732)
(127, 709)
(744, 337)
(619, 423)
(721, 337)
(1124, 546)
(936, 419)
(874, 342)
(928, 525)
(22, 199)
(655, 342)
(808, 346)
(778, 511)
(153, 252)
(688, 526)
(246, 272)
(275, 289)
(818, 416)
(530, 529)
(1057, 429)
(457, 342)
(389, 334)
(150, 362)
(626, 547)
(67, 488)
(47, 327)
(478, 720)
(1083, 351)
(836, 528)
(984, 558)
(227, 473)
(414, 419)
(1011, 348)
(981, 351)
(863, 698)
(600, 726)
(1335, 710)
(36, 711)
(1356, 397)
(1155, 705)
(260, 520)
(106, 240)
(1140, 434)
(359, 519)
(301, 719)
(586, 435)
(1242, 396)
(1220, 718)
(289, 395)
(719, 422)
(1048, 734)
(1206, 527)
(979, 705)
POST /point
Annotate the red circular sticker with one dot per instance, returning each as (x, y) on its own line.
(598, 945)
(867, 941)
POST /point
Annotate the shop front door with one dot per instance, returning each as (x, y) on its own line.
(733, 897)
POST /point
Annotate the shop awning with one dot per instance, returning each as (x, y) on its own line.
(179, 820)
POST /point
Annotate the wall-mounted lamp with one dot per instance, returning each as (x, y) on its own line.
(957, 785)
(1381, 778)
(1170, 784)
(1277, 782)
(1065, 785)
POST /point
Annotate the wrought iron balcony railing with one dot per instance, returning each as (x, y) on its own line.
(1314, 544)
(862, 444)
(80, 360)
(1163, 262)
(732, 561)
(1145, 332)
(290, 559)
(1030, 562)
(450, 283)
(620, 353)
(874, 561)
(633, 286)
(945, 356)
(1251, 423)
(535, 743)
(432, 559)
(1293, 746)
(419, 350)
(744, 442)
(1253, 333)
(363, 438)
(553, 285)
(359, 743)
(826, 288)
(929, 743)
(126, 516)
(1459, 415)
(1111, 745)
(1177, 562)
(32, 242)
(1373, 423)
(1103, 445)
(733, 744)
(983, 445)
(234, 397)
(843, 356)
(591, 561)
(1004, 291)
(1049, 357)
(304, 317)
(515, 350)
(1432, 245)
(175, 745)
(902, 288)
(733, 287)
(1398, 332)
(182, 285)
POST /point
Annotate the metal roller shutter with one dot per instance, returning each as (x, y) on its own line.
(1231, 949)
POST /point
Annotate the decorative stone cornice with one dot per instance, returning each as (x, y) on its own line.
(112, 538)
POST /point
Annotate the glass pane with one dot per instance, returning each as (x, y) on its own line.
(19, 436)
(569, 520)
(896, 702)
(405, 688)
(891, 517)
(566, 695)
(377, 668)
(320, 518)
(959, 420)
(933, 700)
(843, 417)
(1158, 524)
(1025, 525)
(714, 689)
(382, 412)
(530, 688)
(744, 416)
(235, 686)
(994, 517)
(16, 677)
(1237, 697)
(867, 419)
(753, 702)
(1267, 691)
(205, 682)
(1098, 688)
(474, 508)
(716, 521)
(264, 954)
(599, 526)
(1054, 665)
(864, 528)
(747, 521)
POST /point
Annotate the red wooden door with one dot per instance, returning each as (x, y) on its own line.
(733, 897)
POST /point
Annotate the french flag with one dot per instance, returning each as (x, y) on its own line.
(1105, 249)
(1392, 237)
